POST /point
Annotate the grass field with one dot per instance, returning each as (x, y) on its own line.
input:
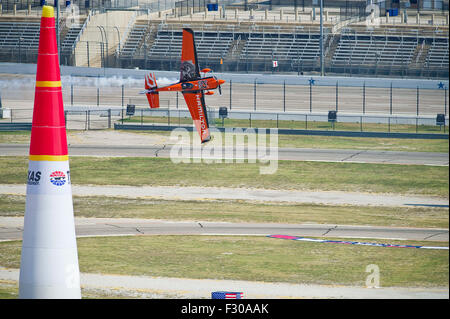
(341, 142)
(254, 259)
(296, 141)
(15, 137)
(243, 211)
(10, 290)
(378, 178)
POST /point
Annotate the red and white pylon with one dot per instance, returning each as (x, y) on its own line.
(49, 262)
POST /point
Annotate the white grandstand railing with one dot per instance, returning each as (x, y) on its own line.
(88, 18)
(157, 6)
(124, 36)
(236, 46)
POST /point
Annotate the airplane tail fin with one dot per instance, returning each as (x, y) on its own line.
(152, 96)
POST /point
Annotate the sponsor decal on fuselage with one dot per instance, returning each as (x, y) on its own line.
(200, 111)
(202, 84)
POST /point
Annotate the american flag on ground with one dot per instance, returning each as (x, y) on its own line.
(227, 295)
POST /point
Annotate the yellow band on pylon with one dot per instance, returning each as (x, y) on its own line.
(48, 84)
(48, 12)
(55, 158)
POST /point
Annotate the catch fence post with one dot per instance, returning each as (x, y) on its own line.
(445, 103)
(417, 98)
(390, 100)
(337, 95)
(364, 98)
(254, 95)
(231, 84)
(87, 52)
(122, 95)
(310, 96)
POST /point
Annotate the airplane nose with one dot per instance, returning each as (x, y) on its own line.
(221, 82)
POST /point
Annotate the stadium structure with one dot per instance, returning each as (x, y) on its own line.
(393, 38)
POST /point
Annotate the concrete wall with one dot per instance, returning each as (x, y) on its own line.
(110, 21)
(17, 68)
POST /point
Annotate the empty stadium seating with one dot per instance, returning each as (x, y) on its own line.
(282, 46)
(209, 44)
(156, 43)
(23, 36)
(15, 34)
(438, 54)
(134, 39)
(365, 49)
(70, 37)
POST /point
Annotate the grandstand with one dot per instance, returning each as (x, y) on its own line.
(438, 54)
(281, 46)
(249, 35)
(19, 39)
(369, 51)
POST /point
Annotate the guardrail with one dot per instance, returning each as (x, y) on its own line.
(291, 131)
(87, 118)
(17, 126)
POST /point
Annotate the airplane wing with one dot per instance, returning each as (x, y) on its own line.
(189, 63)
(196, 103)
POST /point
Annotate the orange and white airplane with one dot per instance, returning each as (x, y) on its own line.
(191, 84)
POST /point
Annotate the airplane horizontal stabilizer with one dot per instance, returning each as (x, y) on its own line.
(150, 86)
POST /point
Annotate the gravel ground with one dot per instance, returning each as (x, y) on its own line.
(107, 137)
(202, 193)
(160, 287)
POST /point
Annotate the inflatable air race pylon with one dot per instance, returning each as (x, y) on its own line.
(49, 262)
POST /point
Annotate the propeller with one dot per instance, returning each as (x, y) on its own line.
(220, 81)
(207, 70)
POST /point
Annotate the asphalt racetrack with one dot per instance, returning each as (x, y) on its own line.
(11, 228)
(292, 154)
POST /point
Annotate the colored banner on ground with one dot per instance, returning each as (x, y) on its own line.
(315, 240)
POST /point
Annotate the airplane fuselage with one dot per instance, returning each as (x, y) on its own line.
(208, 83)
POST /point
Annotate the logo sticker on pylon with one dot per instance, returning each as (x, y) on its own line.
(58, 178)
